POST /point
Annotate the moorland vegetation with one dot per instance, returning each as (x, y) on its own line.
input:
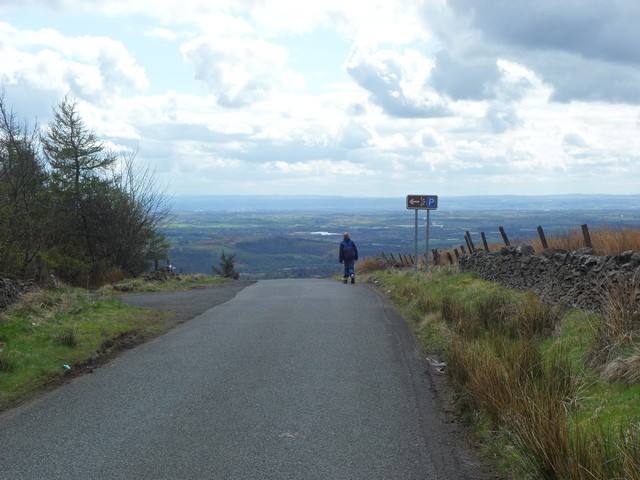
(550, 392)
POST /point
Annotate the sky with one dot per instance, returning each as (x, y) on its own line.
(366, 98)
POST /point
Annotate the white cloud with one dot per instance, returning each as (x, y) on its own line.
(574, 140)
(278, 95)
(584, 51)
(89, 67)
(325, 168)
(355, 134)
(396, 82)
(428, 137)
(237, 71)
(162, 33)
(501, 118)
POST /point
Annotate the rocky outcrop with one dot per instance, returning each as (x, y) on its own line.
(575, 279)
(10, 291)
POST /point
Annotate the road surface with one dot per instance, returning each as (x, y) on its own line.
(290, 379)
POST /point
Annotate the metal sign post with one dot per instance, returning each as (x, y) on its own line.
(426, 246)
(415, 245)
(422, 202)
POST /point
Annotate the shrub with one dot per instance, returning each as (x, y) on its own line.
(109, 275)
(494, 372)
(494, 311)
(618, 331)
(368, 265)
(482, 376)
(69, 268)
(8, 362)
(551, 448)
(427, 302)
(227, 266)
(535, 319)
(67, 337)
(452, 309)
(623, 370)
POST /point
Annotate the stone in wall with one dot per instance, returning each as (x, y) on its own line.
(10, 291)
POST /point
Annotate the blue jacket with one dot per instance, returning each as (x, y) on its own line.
(348, 244)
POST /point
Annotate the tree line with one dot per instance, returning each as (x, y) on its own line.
(70, 206)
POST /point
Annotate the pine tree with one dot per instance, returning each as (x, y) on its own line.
(72, 149)
(227, 267)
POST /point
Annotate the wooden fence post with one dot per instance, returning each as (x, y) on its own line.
(587, 237)
(472, 247)
(449, 258)
(455, 250)
(462, 248)
(436, 257)
(484, 241)
(543, 239)
(504, 236)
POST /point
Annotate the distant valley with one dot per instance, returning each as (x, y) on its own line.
(280, 236)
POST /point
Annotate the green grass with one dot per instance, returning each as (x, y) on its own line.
(526, 373)
(49, 329)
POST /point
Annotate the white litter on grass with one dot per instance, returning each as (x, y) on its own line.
(436, 363)
(438, 366)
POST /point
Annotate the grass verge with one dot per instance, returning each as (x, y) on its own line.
(173, 284)
(49, 329)
(528, 376)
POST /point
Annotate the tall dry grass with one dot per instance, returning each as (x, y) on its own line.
(533, 399)
(605, 240)
(368, 265)
(615, 351)
(496, 358)
(499, 356)
(535, 319)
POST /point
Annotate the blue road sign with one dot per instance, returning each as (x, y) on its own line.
(422, 202)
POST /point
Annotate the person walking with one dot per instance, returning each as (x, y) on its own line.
(348, 256)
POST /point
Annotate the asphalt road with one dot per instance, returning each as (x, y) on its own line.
(290, 379)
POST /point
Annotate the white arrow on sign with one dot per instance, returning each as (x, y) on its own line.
(422, 202)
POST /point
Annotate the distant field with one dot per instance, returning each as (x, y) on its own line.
(276, 237)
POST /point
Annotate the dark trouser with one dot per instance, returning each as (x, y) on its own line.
(348, 267)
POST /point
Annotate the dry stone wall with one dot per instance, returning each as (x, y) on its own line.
(575, 279)
(10, 291)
